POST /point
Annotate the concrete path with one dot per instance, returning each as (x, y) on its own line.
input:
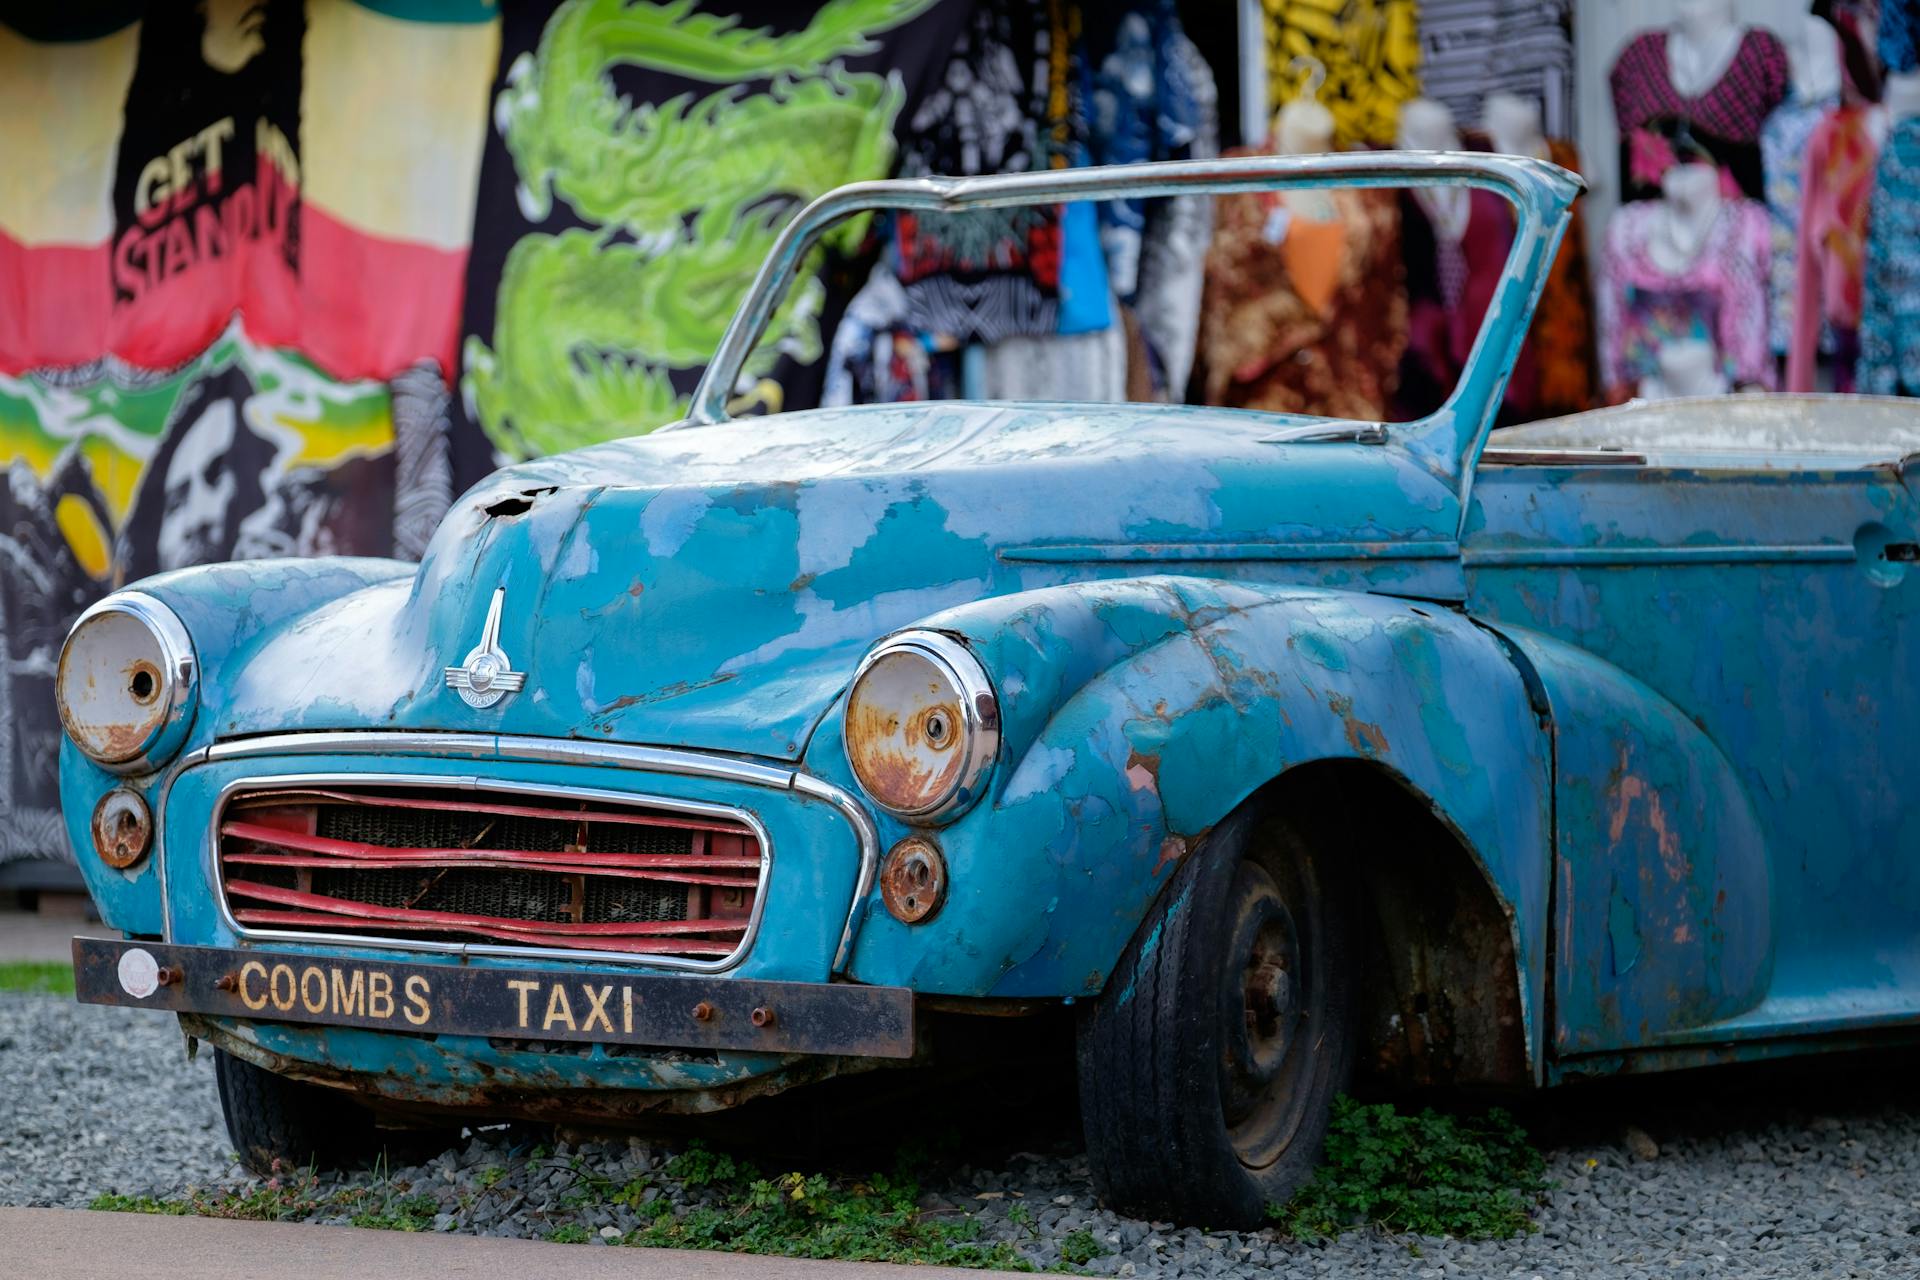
(28, 935)
(72, 1244)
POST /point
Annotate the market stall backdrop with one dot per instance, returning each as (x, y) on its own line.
(282, 278)
(235, 241)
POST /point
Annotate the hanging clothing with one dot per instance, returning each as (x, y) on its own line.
(1725, 117)
(1899, 36)
(1560, 340)
(1890, 297)
(1370, 50)
(1081, 368)
(1452, 275)
(1831, 244)
(1783, 150)
(1276, 333)
(1153, 98)
(1173, 254)
(1719, 298)
(987, 274)
(1472, 48)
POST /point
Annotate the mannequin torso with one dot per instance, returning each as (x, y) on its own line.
(1689, 209)
(1701, 45)
(1426, 125)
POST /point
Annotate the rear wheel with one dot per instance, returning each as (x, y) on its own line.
(1209, 1066)
(273, 1120)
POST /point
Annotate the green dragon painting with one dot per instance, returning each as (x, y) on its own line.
(683, 197)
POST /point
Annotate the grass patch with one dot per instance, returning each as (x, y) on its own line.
(382, 1205)
(801, 1215)
(41, 977)
(1429, 1173)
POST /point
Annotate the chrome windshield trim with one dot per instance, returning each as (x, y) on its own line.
(466, 782)
(1541, 193)
(510, 747)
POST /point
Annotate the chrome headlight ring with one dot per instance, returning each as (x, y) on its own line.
(128, 683)
(922, 726)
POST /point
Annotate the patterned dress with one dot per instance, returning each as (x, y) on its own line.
(992, 273)
(1726, 117)
(1561, 338)
(1890, 301)
(1318, 331)
(1783, 151)
(1720, 298)
(1832, 246)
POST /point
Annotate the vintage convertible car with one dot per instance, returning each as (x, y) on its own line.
(694, 766)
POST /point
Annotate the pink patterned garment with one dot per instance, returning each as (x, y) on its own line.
(1837, 185)
(1721, 297)
(1726, 118)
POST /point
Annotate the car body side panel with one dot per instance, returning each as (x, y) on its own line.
(1141, 713)
(1663, 904)
(1757, 603)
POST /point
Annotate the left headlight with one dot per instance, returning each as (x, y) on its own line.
(128, 683)
(922, 726)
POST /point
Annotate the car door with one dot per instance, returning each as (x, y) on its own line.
(1728, 647)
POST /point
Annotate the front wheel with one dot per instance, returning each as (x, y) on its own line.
(272, 1120)
(1209, 1065)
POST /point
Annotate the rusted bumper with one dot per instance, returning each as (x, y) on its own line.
(659, 1010)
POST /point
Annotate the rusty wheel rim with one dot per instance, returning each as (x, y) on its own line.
(1269, 999)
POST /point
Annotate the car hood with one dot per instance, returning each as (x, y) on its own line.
(715, 588)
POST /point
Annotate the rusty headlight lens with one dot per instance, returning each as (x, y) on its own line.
(128, 683)
(922, 726)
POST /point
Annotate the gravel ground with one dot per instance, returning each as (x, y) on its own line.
(1794, 1171)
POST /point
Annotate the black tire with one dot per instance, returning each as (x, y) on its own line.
(1209, 1065)
(272, 1119)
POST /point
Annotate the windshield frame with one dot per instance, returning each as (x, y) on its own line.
(1447, 440)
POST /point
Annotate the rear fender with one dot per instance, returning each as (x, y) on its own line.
(1137, 714)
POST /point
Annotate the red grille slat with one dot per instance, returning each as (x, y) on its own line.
(462, 857)
(665, 875)
(372, 911)
(473, 805)
(464, 864)
(320, 922)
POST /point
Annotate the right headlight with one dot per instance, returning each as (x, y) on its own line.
(922, 726)
(128, 683)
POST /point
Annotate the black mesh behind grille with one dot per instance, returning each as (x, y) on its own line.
(445, 829)
(430, 819)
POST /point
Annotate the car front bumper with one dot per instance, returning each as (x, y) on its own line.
(666, 1011)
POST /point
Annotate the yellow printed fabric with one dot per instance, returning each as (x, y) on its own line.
(1371, 52)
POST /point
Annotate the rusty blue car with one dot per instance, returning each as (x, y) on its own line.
(1265, 751)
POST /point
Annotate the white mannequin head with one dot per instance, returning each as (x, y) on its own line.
(1426, 125)
(1304, 128)
(1692, 186)
(1703, 19)
(1514, 124)
(1813, 58)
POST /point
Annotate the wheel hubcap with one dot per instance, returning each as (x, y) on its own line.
(1266, 1008)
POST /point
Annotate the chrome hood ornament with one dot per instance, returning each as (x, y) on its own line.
(487, 676)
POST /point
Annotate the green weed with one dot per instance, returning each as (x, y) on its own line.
(1423, 1174)
(1078, 1248)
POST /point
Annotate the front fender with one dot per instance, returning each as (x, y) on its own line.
(1139, 713)
(228, 610)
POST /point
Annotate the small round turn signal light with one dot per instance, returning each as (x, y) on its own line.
(122, 828)
(913, 880)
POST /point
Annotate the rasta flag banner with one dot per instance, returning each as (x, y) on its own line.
(233, 238)
(641, 160)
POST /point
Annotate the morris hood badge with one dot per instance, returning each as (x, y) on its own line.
(487, 676)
